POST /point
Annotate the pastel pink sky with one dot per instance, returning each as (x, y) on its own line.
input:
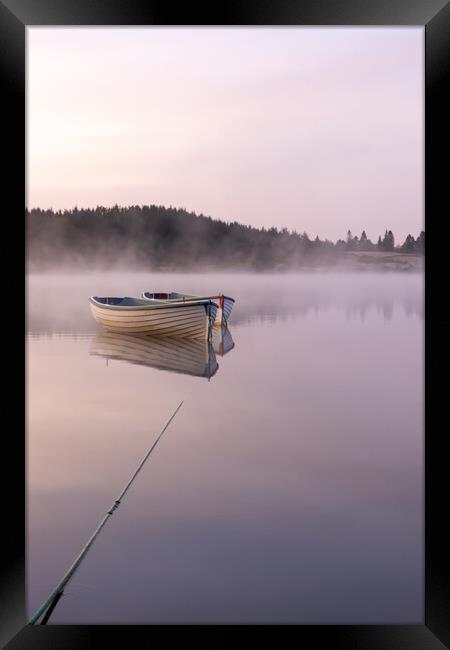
(317, 129)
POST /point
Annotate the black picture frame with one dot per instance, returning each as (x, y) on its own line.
(434, 15)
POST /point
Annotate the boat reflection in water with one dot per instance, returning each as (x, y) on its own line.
(222, 341)
(185, 356)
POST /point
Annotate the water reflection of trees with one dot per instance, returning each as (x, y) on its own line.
(361, 308)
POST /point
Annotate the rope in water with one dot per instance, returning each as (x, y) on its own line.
(57, 592)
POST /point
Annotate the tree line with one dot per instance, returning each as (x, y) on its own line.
(157, 237)
(386, 244)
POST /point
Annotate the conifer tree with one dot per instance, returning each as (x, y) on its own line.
(420, 244)
(408, 245)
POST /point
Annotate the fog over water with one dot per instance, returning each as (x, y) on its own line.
(289, 487)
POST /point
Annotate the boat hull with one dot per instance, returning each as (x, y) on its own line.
(184, 321)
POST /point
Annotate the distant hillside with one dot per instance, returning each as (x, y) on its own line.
(159, 238)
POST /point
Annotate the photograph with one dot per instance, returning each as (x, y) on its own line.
(230, 426)
(225, 255)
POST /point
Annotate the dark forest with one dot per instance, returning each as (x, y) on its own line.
(159, 238)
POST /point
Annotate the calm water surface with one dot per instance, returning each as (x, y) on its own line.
(288, 489)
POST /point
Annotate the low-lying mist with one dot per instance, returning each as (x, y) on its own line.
(58, 303)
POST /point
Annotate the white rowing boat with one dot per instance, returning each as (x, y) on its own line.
(225, 303)
(191, 319)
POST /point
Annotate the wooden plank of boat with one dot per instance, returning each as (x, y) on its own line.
(225, 303)
(181, 355)
(186, 320)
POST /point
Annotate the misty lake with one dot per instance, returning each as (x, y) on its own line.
(289, 487)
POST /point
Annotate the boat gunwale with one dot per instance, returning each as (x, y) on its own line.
(184, 300)
(150, 304)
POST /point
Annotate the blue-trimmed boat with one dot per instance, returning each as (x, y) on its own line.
(225, 303)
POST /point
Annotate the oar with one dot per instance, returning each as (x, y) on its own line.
(57, 592)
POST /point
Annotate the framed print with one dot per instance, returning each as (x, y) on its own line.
(233, 422)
